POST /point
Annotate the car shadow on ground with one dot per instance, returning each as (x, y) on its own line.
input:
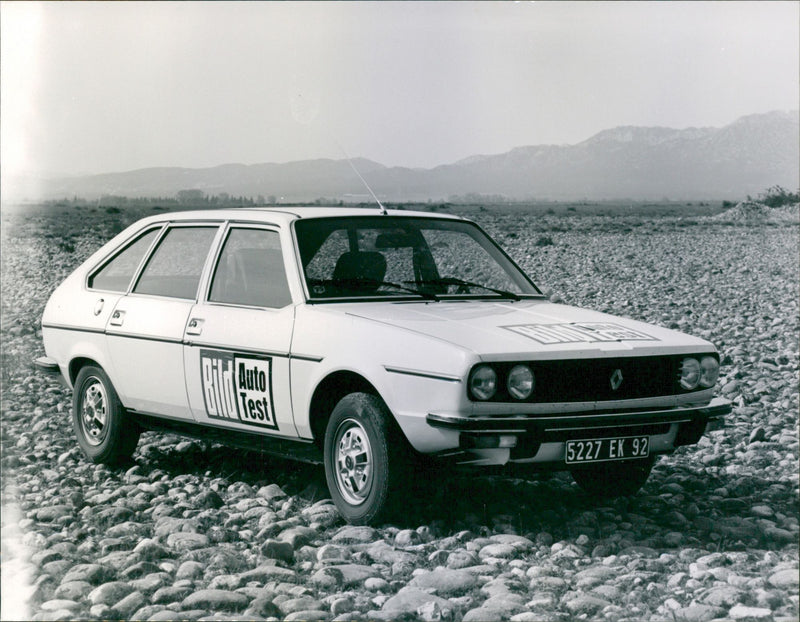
(707, 511)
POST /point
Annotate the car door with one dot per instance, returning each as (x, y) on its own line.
(238, 337)
(83, 314)
(145, 330)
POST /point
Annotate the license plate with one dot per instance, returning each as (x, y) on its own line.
(605, 449)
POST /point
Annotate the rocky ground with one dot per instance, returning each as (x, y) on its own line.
(191, 530)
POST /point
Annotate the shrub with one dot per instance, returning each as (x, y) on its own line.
(545, 240)
(777, 196)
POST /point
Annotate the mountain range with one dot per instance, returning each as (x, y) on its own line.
(648, 163)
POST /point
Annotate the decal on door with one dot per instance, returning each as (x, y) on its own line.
(586, 332)
(238, 387)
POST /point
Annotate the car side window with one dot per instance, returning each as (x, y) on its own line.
(250, 270)
(175, 267)
(116, 274)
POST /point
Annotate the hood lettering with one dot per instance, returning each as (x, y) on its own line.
(584, 332)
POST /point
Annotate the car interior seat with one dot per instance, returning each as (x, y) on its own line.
(354, 266)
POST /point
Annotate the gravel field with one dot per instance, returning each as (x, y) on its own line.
(192, 530)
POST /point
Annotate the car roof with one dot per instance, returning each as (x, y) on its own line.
(285, 215)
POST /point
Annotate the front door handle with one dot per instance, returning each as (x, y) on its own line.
(194, 327)
(117, 318)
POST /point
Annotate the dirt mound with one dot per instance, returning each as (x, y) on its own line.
(751, 211)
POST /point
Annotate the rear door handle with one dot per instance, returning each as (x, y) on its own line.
(194, 327)
(117, 318)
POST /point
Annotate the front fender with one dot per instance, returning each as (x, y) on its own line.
(412, 373)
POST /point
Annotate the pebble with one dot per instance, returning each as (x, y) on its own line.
(308, 615)
(355, 535)
(59, 604)
(585, 604)
(786, 579)
(277, 549)
(723, 596)
(189, 570)
(741, 612)
(187, 540)
(408, 601)
(698, 613)
(215, 600)
(446, 582)
(461, 559)
(132, 602)
(303, 603)
(344, 576)
(497, 550)
(109, 593)
(91, 573)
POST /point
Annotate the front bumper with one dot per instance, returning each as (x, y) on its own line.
(682, 426)
(713, 411)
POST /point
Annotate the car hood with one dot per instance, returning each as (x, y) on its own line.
(528, 328)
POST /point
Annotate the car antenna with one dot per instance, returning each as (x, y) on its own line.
(363, 181)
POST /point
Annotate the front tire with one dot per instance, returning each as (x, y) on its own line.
(366, 459)
(104, 433)
(608, 480)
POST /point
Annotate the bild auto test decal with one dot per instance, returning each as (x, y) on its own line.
(585, 332)
(238, 387)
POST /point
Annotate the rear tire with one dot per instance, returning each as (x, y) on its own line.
(614, 479)
(366, 459)
(105, 434)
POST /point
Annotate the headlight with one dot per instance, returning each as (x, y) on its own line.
(520, 382)
(710, 371)
(690, 373)
(483, 383)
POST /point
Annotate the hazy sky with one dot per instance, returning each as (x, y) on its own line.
(98, 87)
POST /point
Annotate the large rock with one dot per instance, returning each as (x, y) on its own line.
(698, 613)
(751, 614)
(446, 582)
(723, 596)
(355, 535)
(409, 601)
(187, 541)
(91, 573)
(344, 575)
(585, 604)
(215, 600)
(788, 579)
(109, 593)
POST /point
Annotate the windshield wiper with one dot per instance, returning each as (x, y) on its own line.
(357, 283)
(450, 280)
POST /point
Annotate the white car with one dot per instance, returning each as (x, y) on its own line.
(364, 339)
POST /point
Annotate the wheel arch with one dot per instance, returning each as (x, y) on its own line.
(327, 394)
(78, 363)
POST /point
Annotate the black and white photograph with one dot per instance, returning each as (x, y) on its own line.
(427, 311)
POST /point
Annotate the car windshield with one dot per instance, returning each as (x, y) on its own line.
(402, 256)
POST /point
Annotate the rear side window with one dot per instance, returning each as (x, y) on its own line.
(250, 270)
(116, 275)
(175, 267)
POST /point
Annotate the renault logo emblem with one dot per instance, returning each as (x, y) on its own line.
(616, 379)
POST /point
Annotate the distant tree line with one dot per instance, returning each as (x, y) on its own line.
(183, 198)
